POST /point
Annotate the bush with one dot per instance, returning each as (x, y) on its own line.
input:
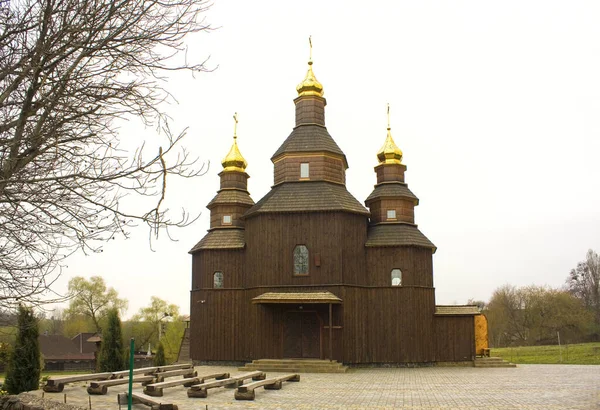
(111, 355)
(159, 358)
(23, 372)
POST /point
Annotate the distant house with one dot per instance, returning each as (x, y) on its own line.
(62, 353)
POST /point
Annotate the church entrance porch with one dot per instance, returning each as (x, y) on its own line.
(301, 335)
(303, 322)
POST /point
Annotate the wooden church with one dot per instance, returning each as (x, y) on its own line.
(308, 271)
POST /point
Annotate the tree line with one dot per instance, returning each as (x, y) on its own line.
(537, 315)
(95, 308)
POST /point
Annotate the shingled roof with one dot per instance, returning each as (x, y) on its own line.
(297, 297)
(392, 189)
(457, 310)
(229, 238)
(308, 196)
(231, 196)
(399, 234)
(309, 138)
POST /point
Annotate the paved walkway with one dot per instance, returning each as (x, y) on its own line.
(525, 387)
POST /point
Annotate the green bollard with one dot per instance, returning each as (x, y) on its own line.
(131, 353)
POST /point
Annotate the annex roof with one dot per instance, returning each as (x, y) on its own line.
(457, 310)
(297, 297)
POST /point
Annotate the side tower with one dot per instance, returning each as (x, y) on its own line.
(218, 263)
(400, 303)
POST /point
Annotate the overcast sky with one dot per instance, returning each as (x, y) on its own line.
(496, 106)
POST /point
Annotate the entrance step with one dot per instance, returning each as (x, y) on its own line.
(296, 366)
(492, 362)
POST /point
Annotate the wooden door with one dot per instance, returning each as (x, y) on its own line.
(302, 335)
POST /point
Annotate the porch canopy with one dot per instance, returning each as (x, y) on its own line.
(297, 297)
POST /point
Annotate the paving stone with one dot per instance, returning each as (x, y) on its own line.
(525, 387)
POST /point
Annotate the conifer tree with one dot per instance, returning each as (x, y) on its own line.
(159, 358)
(23, 372)
(111, 355)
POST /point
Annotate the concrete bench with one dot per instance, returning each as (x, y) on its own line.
(201, 390)
(57, 384)
(156, 389)
(101, 387)
(139, 398)
(246, 391)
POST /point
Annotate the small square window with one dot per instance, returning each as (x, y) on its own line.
(304, 170)
(391, 214)
(226, 219)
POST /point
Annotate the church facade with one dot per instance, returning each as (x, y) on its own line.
(308, 271)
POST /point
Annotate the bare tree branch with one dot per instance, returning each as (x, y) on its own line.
(69, 71)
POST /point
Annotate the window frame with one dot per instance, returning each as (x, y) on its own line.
(226, 223)
(307, 165)
(222, 279)
(387, 215)
(306, 262)
(393, 276)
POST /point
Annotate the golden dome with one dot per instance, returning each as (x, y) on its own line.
(389, 153)
(234, 161)
(310, 85)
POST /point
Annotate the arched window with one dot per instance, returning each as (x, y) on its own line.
(300, 260)
(218, 280)
(396, 277)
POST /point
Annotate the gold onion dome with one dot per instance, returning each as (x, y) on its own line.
(310, 85)
(389, 153)
(234, 161)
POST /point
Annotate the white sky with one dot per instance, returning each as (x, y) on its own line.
(496, 106)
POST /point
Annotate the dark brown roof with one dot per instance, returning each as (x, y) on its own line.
(392, 189)
(308, 196)
(57, 347)
(231, 196)
(230, 238)
(456, 310)
(398, 234)
(309, 138)
(82, 343)
(297, 297)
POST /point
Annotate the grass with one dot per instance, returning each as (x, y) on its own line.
(583, 353)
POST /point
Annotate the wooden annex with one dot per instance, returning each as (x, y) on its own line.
(308, 271)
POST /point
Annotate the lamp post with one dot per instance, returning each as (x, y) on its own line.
(165, 314)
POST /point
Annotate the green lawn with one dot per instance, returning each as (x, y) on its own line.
(583, 353)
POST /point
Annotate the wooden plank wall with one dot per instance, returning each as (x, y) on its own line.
(455, 338)
(227, 326)
(388, 325)
(337, 237)
(380, 323)
(415, 263)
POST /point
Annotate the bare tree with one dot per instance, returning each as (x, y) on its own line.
(584, 283)
(70, 70)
